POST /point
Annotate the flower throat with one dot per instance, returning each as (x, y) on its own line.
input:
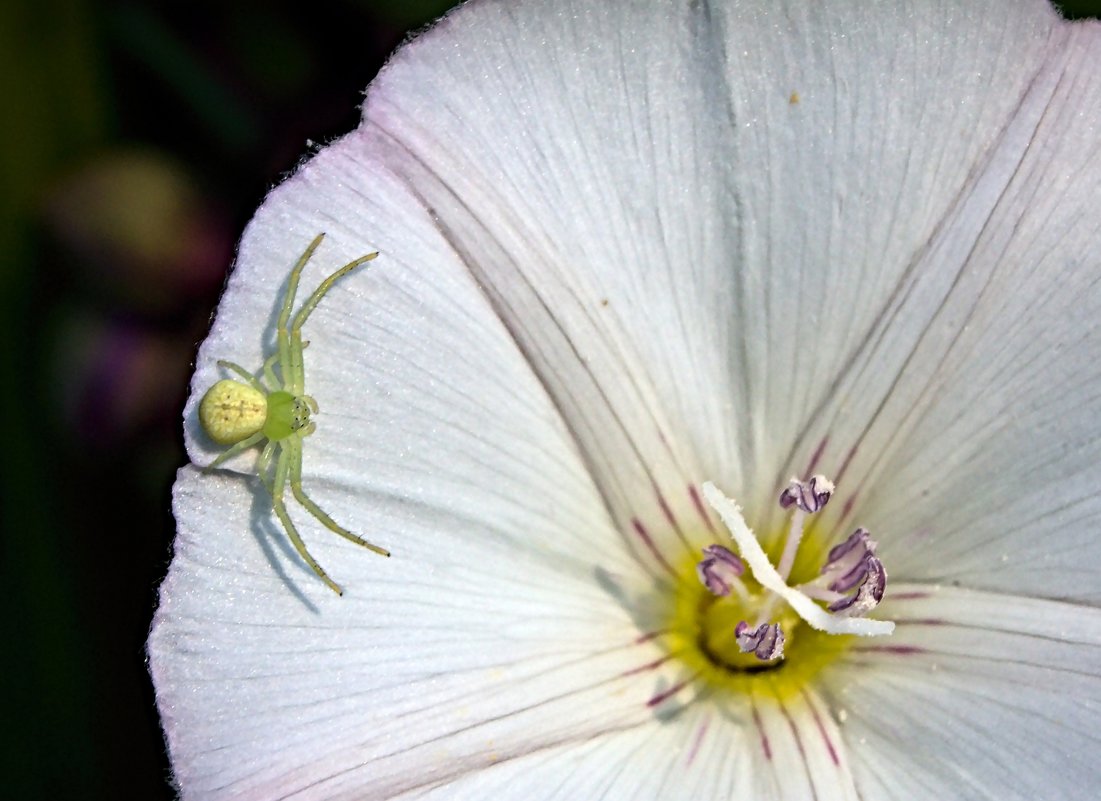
(739, 617)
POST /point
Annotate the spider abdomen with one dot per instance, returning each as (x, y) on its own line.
(231, 411)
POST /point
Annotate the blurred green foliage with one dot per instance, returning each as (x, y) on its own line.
(137, 139)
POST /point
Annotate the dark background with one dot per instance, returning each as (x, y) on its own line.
(138, 138)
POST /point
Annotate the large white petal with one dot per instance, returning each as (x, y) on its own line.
(458, 653)
(494, 630)
(991, 476)
(568, 150)
(774, 200)
(871, 148)
(759, 748)
(1002, 694)
(519, 131)
(424, 397)
(701, 753)
(799, 749)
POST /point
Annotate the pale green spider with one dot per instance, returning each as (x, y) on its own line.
(242, 415)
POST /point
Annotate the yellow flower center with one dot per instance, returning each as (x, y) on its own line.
(700, 631)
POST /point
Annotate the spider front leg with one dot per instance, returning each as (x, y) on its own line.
(289, 461)
(290, 336)
(290, 354)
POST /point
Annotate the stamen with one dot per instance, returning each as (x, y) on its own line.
(721, 570)
(767, 642)
(810, 496)
(868, 594)
(807, 497)
(766, 575)
(858, 540)
(852, 565)
(846, 563)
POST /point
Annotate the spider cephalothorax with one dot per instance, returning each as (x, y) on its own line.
(244, 414)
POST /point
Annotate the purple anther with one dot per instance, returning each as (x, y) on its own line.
(719, 569)
(810, 496)
(767, 642)
(844, 562)
(868, 594)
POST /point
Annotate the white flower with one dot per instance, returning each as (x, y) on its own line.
(629, 248)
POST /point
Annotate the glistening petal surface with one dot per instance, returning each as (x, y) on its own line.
(1000, 692)
(433, 438)
(802, 219)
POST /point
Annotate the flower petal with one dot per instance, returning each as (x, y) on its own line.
(495, 629)
(461, 425)
(697, 754)
(799, 751)
(970, 418)
(458, 654)
(1000, 692)
(567, 151)
(767, 264)
(423, 396)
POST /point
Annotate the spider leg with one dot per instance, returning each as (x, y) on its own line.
(288, 353)
(288, 455)
(269, 372)
(293, 369)
(263, 464)
(315, 510)
(233, 450)
(245, 374)
(295, 345)
(325, 286)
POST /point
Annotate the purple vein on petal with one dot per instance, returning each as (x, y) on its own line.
(845, 465)
(816, 456)
(664, 695)
(697, 501)
(698, 739)
(761, 732)
(671, 518)
(822, 729)
(650, 635)
(651, 546)
(652, 665)
(849, 503)
(799, 745)
(905, 650)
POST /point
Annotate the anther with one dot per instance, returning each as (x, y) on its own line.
(807, 497)
(767, 641)
(720, 570)
(810, 496)
(868, 594)
(845, 563)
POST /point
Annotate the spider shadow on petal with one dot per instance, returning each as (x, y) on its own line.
(268, 532)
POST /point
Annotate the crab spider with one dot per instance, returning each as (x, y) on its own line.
(242, 415)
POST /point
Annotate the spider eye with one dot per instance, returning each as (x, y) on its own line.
(300, 417)
(231, 411)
